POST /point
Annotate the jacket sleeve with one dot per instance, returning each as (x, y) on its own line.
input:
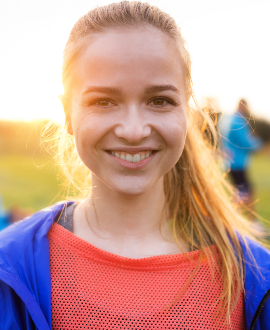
(13, 312)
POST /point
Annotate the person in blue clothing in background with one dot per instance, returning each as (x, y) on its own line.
(156, 241)
(4, 216)
(240, 143)
(8, 217)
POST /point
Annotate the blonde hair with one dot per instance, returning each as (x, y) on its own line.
(197, 195)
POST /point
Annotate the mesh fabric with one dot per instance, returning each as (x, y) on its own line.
(95, 289)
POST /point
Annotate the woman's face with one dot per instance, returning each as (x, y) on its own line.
(128, 108)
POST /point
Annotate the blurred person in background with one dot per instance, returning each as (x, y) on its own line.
(239, 143)
(13, 214)
(4, 216)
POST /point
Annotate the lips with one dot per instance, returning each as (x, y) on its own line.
(132, 158)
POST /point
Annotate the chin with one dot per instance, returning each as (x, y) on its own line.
(131, 188)
(130, 191)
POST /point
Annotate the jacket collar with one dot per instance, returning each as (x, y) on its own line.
(25, 263)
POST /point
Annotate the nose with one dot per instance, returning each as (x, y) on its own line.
(133, 126)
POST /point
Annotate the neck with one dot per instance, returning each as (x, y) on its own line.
(133, 227)
(130, 216)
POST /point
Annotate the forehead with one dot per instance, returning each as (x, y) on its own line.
(134, 54)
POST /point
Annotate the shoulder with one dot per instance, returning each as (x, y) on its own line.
(16, 238)
(25, 270)
(258, 252)
(257, 262)
(238, 120)
(257, 280)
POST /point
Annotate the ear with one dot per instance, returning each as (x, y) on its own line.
(69, 126)
(68, 122)
(63, 99)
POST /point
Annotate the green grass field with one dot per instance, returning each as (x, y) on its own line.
(28, 182)
(260, 177)
(31, 182)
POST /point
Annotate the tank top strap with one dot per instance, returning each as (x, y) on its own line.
(66, 218)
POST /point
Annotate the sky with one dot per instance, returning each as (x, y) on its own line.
(228, 42)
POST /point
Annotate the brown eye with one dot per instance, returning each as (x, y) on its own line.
(103, 103)
(158, 102)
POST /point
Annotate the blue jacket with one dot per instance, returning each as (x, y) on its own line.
(25, 282)
(238, 141)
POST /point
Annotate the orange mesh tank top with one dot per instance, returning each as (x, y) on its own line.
(95, 289)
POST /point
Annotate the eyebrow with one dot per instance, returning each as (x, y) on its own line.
(161, 88)
(116, 91)
(104, 90)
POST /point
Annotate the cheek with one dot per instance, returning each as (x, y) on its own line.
(174, 133)
(87, 132)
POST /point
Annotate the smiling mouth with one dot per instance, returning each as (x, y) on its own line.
(132, 158)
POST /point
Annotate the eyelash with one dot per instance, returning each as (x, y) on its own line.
(163, 98)
(94, 102)
(170, 101)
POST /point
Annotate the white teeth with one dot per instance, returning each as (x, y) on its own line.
(129, 158)
(136, 158)
(132, 159)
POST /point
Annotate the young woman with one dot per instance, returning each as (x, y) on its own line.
(156, 243)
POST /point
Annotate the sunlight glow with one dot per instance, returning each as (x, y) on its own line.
(227, 41)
